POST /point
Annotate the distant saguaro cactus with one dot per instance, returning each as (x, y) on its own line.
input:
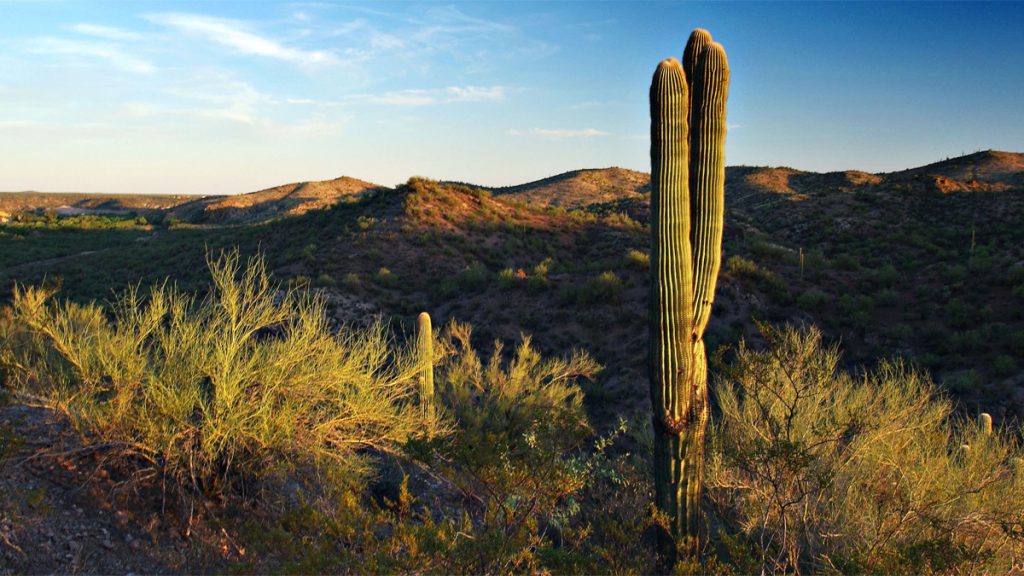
(687, 202)
(425, 351)
(985, 422)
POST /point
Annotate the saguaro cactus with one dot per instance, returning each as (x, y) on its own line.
(425, 351)
(687, 201)
(985, 422)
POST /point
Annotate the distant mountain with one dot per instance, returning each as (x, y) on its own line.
(78, 201)
(580, 188)
(286, 200)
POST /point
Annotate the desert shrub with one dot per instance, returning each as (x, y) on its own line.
(740, 266)
(242, 385)
(538, 278)
(961, 314)
(1004, 365)
(325, 280)
(816, 470)
(1015, 274)
(811, 299)
(887, 297)
(885, 277)
(386, 278)
(638, 259)
(473, 277)
(507, 278)
(515, 428)
(351, 280)
(607, 287)
(770, 281)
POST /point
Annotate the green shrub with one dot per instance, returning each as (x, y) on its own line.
(740, 266)
(1004, 365)
(473, 277)
(814, 470)
(352, 281)
(637, 259)
(811, 299)
(607, 287)
(961, 314)
(515, 427)
(245, 384)
(386, 278)
(506, 278)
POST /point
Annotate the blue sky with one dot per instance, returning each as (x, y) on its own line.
(229, 97)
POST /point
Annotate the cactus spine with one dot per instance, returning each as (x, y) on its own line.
(425, 352)
(687, 201)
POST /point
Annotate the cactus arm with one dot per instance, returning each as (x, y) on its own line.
(709, 92)
(671, 314)
(698, 39)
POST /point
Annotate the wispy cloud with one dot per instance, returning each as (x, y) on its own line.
(105, 32)
(591, 104)
(234, 35)
(109, 53)
(232, 101)
(559, 133)
(428, 97)
(476, 93)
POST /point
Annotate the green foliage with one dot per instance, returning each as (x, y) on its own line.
(472, 278)
(816, 470)
(811, 299)
(637, 259)
(605, 288)
(507, 278)
(245, 384)
(386, 278)
(514, 427)
(352, 281)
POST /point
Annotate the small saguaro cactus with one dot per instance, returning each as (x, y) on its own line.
(985, 423)
(425, 352)
(687, 214)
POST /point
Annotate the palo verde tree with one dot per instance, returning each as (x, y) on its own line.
(687, 200)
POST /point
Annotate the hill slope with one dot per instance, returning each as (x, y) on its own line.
(885, 263)
(580, 188)
(286, 200)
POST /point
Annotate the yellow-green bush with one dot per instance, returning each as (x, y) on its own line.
(816, 470)
(244, 383)
(516, 427)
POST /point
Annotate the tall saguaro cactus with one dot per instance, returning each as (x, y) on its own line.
(687, 203)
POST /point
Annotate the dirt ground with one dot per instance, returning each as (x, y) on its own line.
(63, 512)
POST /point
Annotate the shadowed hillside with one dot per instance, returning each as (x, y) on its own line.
(888, 264)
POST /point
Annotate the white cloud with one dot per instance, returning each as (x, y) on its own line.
(429, 97)
(559, 133)
(233, 35)
(105, 32)
(110, 53)
(476, 93)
